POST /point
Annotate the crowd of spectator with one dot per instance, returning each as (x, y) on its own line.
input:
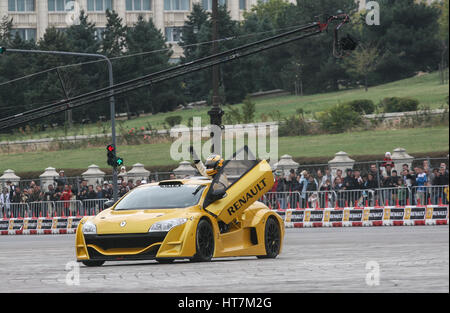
(321, 188)
(63, 190)
(385, 182)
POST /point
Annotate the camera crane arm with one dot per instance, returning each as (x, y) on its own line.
(302, 32)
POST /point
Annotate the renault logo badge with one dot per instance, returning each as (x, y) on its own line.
(123, 223)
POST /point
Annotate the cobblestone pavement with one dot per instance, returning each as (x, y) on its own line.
(410, 259)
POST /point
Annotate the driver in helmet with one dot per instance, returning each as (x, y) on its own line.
(211, 168)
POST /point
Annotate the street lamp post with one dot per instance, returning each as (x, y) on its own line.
(216, 111)
(111, 99)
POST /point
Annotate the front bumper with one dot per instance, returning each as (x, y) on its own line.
(116, 247)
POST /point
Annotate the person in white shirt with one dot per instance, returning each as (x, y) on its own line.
(5, 203)
(328, 176)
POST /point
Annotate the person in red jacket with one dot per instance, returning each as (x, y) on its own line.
(66, 196)
(388, 160)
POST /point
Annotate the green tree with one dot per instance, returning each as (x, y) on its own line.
(231, 77)
(271, 65)
(444, 37)
(82, 38)
(363, 61)
(189, 39)
(272, 10)
(113, 40)
(319, 70)
(195, 89)
(56, 84)
(443, 20)
(245, 115)
(6, 24)
(339, 118)
(408, 32)
(199, 30)
(292, 76)
(114, 44)
(322, 71)
(255, 68)
(248, 110)
(14, 66)
(164, 96)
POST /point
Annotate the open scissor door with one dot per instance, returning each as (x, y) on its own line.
(255, 181)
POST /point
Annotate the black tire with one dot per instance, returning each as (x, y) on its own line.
(165, 261)
(272, 239)
(91, 263)
(204, 242)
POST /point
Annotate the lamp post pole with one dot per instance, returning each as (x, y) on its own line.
(216, 111)
(111, 98)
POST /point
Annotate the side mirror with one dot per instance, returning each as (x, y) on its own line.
(218, 194)
(108, 204)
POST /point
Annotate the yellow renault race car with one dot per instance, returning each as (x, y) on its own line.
(185, 219)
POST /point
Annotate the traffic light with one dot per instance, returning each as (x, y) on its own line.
(113, 160)
(2, 50)
(111, 155)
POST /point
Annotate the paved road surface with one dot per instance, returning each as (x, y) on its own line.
(411, 259)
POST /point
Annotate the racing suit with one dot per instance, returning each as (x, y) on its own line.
(218, 187)
(223, 180)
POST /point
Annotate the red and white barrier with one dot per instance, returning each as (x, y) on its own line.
(39, 226)
(293, 218)
(365, 217)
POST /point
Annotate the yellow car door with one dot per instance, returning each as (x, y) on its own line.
(247, 189)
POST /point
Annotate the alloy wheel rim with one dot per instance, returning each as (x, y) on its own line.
(205, 241)
(273, 238)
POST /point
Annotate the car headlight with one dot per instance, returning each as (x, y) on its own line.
(89, 228)
(167, 225)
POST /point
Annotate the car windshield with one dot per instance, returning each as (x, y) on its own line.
(161, 197)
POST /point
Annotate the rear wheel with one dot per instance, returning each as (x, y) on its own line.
(91, 263)
(272, 239)
(204, 242)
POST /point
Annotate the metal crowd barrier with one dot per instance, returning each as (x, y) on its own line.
(42, 208)
(53, 208)
(394, 196)
(417, 195)
(317, 199)
(433, 195)
(423, 195)
(281, 200)
(296, 199)
(69, 208)
(93, 206)
(357, 197)
(426, 195)
(18, 210)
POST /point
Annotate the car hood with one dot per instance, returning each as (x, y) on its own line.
(133, 221)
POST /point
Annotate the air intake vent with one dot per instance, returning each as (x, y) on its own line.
(170, 184)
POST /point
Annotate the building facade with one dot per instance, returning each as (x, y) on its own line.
(32, 17)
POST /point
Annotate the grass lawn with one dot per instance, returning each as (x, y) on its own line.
(414, 140)
(426, 89)
(358, 143)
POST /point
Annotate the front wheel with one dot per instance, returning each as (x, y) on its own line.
(272, 239)
(93, 263)
(204, 242)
